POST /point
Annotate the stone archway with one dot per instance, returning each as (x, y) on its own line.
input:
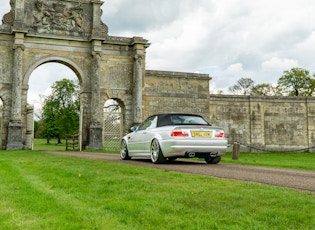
(113, 125)
(47, 71)
(62, 60)
(70, 32)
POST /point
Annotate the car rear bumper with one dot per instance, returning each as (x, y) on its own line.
(182, 147)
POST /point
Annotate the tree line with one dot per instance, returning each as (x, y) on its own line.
(60, 113)
(293, 82)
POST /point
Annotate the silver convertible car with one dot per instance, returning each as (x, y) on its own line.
(164, 137)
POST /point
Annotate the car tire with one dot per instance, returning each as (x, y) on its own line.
(156, 153)
(124, 155)
(212, 160)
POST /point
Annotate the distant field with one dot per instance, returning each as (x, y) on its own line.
(41, 144)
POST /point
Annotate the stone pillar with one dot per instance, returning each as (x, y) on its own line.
(139, 46)
(96, 140)
(99, 29)
(19, 15)
(97, 12)
(15, 124)
(29, 128)
(137, 89)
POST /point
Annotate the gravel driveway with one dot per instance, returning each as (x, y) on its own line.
(297, 179)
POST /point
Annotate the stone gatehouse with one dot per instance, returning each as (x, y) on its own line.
(71, 32)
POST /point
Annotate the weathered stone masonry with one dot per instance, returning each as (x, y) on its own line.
(258, 123)
(266, 123)
(165, 91)
(69, 32)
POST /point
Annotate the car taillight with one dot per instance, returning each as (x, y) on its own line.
(178, 133)
(219, 133)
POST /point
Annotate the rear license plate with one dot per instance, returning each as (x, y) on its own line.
(201, 134)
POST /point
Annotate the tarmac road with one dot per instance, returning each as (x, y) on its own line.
(296, 179)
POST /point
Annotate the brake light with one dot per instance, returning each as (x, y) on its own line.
(179, 133)
(219, 133)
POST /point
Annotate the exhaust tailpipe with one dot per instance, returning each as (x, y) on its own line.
(190, 154)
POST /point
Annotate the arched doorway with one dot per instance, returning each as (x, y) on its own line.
(113, 125)
(40, 82)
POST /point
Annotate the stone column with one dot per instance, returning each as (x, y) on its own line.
(19, 15)
(137, 89)
(96, 129)
(99, 29)
(85, 118)
(15, 124)
(29, 128)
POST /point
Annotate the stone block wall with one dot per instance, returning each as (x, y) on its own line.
(258, 123)
(166, 92)
(266, 123)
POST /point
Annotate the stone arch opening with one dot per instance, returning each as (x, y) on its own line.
(113, 117)
(55, 59)
(47, 74)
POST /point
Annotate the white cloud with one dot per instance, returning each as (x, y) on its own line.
(235, 69)
(278, 65)
(227, 39)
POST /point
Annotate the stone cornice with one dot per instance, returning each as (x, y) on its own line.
(158, 73)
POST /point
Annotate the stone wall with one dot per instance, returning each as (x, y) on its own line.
(266, 123)
(166, 92)
(258, 123)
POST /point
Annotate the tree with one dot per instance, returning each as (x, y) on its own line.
(61, 110)
(266, 90)
(243, 86)
(297, 82)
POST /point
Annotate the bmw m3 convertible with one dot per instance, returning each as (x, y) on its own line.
(166, 137)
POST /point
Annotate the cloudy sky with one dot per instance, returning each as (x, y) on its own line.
(228, 39)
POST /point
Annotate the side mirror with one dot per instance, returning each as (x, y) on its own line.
(134, 128)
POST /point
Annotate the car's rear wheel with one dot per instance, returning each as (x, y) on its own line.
(212, 160)
(124, 155)
(156, 153)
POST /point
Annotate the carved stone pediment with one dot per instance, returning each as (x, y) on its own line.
(58, 17)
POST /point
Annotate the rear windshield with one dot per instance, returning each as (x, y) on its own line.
(180, 119)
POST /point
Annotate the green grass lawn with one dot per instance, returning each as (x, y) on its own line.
(304, 161)
(43, 191)
(41, 144)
